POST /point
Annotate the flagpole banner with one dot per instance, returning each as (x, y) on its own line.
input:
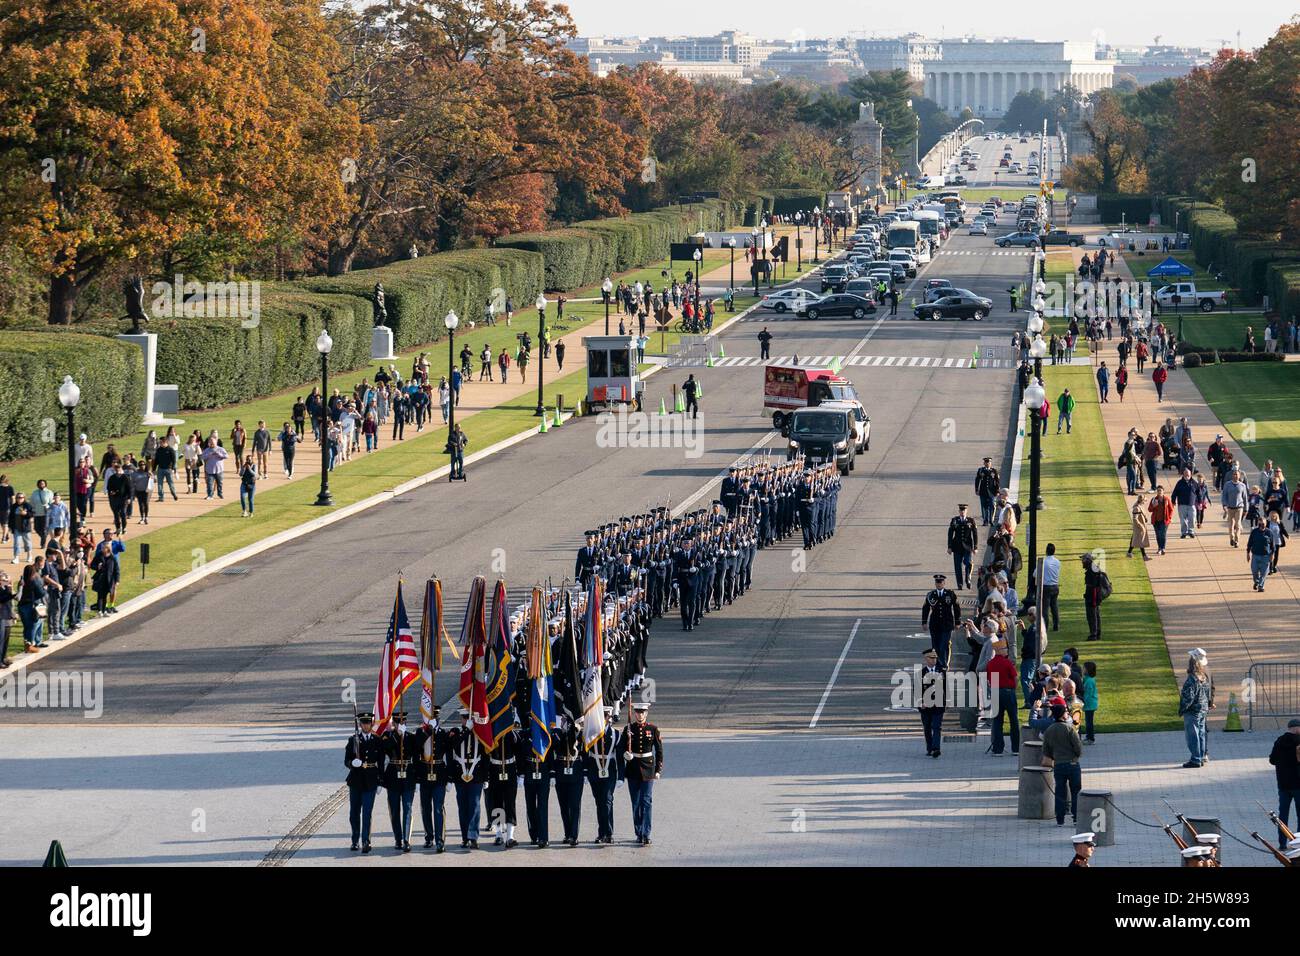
(593, 701)
(541, 704)
(399, 667)
(473, 635)
(500, 669)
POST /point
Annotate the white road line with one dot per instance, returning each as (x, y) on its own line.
(948, 364)
(877, 359)
(889, 361)
(913, 362)
(834, 674)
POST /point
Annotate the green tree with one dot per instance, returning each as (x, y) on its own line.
(890, 92)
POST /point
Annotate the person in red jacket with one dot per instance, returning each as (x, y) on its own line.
(1160, 376)
(1002, 683)
(1162, 512)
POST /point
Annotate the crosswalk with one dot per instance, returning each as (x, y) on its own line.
(985, 252)
(865, 361)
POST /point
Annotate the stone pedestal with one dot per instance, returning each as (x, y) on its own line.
(381, 343)
(1034, 800)
(1028, 733)
(1098, 815)
(1031, 753)
(148, 343)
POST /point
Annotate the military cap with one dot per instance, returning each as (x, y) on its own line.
(641, 705)
(1085, 838)
(365, 716)
(399, 715)
(1192, 852)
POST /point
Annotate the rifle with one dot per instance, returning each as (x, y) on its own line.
(1168, 828)
(1277, 854)
(1277, 822)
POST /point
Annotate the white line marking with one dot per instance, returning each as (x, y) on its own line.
(835, 674)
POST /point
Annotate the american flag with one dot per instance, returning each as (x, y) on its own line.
(399, 665)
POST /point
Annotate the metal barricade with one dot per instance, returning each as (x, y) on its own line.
(1273, 690)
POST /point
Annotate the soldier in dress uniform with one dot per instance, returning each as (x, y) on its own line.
(588, 558)
(537, 786)
(643, 764)
(625, 576)
(364, 757)
(941, 612)
(432, 774)
(963, 540)
(602, 766)
(931, 700)
(1084, 844)
(566, 768)
(470, 770)
(503, 787)
(685, 570)
(729, 492)
(402, 749)
(807, 503)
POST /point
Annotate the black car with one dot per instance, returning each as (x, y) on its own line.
(843, 303)
(954, 307)
(834, 278)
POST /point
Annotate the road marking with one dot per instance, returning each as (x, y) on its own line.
(834, 674)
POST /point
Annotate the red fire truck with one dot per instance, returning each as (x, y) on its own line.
(787, 387)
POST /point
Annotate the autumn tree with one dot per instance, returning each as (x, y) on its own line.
(127, 127)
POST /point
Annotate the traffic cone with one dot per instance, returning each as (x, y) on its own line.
(541, 430)
(1233, 722)
(681, 403)
(557, 417)
(835, 365)
(663, 409)
(709, 363)
(722, 352)
(55, 857)
(699, 391)
(975, 357)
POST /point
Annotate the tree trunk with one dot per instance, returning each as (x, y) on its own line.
(63, 296)
(340, 258)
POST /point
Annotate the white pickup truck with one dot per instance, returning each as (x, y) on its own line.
(1187, 296)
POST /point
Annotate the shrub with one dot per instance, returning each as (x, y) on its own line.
(1193, 360)
(32, 365)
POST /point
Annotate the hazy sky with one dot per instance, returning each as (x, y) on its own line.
(1188, 23)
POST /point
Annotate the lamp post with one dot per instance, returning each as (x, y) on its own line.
(323, 345)
(698, 256)
(540, 411)
(451, 321)
(69, 396)
(817, 232)
(606, 288)
(798, 240)
(731, 244)
(1034, 398)
(755, 234)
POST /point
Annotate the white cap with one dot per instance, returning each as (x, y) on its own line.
(1192, 852)
(1208, 839)
(1292, 854)
(1294, 845)
(1198, 653)
(1083, 838)
(83, 436)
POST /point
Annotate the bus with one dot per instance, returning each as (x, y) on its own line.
(904, 234)
(931, 222)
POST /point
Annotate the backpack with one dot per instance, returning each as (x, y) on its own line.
(1104, 589)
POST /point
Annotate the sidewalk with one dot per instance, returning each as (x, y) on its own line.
(1202, 585)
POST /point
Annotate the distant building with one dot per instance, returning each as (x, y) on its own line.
(814, 59)
(1151, 64)
(986, 75)
(897, 53)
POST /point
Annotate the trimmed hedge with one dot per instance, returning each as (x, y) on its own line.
(1207, 356)
(787, 202)
(32, 365)
(1282, 279)
(1135, 207)
(586, 252)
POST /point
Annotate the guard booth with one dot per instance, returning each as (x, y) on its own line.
(612, 377)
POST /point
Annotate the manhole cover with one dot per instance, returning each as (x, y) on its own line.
(235, 571)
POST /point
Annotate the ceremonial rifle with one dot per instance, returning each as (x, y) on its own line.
(1277, 822)
(1277, 854)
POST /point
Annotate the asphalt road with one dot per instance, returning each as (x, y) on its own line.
(279, 642)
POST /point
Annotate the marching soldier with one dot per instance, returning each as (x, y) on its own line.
(364, 757)
(503, 787)
(402, 747)
(807, 504)
(1084, 844)
(566, 768)
(643, 764)
(432, 774)
(537, 788)
(931, 701)
(963, 539)
(987, 484)
(602, 766)
(730, 492)
(471, 769)
(941, 612)
(588, 558)
(685, 570)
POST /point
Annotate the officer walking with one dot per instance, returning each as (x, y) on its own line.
(471, 769)
(940, 612)
(691, 388)
(431, 773)
(602, 767)
(963, 539)
(643, 760)
(566, 766)
(684, 571)
(931, 700)
(987, 483)
(364, 758)
(764, 343)
(537, 791)
(503, 788)
(588, 558)
(401, 748)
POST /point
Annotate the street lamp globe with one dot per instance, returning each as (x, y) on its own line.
(697, 255)
(1038, 348)
(1035, 324)
(1039, 303)
(541, 302)
(1040, 286)
(817, 210)
(451, 321)
(69, 393)
(324, 343)
(1034, 396)
(731, 241)
(607, 286)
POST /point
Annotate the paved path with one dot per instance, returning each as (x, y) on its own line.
(228, 795)
(1203, 579)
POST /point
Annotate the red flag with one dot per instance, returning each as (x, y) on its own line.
(473, 665)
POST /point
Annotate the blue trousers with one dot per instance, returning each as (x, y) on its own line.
(961, 565)
(537, 806)
(361, 804)
(1284, 800)
(932, 727)
(1066, 775)
(1027, 679)
(642, 794)
(986, 509)
(433, 798)
(941, 641)
(602, 791)
(1259, 568)
(568, 791)
(1194, 728)
(469, 804)
(1006, 706)
(400, 799)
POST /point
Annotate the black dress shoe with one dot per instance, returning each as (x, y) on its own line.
(365, 848)
(428, 842)
(473, 844)
(464, 844)
(398, 847)
(406, 847)
(438, 848)
(543, 844)
(498, 841)
(355, 847)
(510, 843)
(645, 841)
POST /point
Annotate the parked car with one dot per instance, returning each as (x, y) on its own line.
(1187, 295)
(787, 299)
(1029, 239)
(1059, 237)
(842, 304)
(833, 278)
(955, 307)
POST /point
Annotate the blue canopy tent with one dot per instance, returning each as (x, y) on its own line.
(1171, 267)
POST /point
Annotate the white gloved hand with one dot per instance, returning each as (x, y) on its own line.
(356, 761)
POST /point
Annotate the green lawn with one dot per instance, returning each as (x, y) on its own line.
(1256, 402)
(1140, 265)
(1218, 330)
(1086, 510)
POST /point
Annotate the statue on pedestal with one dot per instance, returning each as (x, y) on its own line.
(133, 289)
(381, 307)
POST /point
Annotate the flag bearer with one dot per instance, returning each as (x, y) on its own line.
(470, 768)
(402, 748)
(432, 774)
(566, 768)
(364, 758)
(602, 766)
(503, 787)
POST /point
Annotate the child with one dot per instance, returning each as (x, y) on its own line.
(1090, 699)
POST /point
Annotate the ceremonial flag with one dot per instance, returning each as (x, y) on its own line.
(500, 670)
(593, 700)
(431, 637)
(568, 682)
(473, 634)
(399, 667)
(541, 707)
